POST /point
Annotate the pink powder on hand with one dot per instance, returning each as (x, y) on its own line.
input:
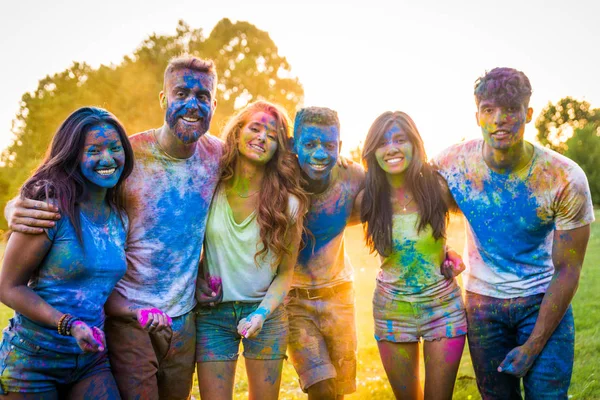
(214, 283)
(145, 313)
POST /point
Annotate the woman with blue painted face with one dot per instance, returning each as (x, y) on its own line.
(405, 207)
(58, 282)
(252, 237)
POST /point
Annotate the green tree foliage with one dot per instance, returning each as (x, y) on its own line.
(584, 148)
(248, 65)
(557, 122)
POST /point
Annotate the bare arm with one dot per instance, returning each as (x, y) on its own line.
(251, 325)
(23, 254)
(568, 252)
(30, 216)
(355, 216)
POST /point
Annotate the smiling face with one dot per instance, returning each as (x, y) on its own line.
(502, 126)
(103, 156)
(394, 152)
(317, 147)
(189, 101)
(258, 138)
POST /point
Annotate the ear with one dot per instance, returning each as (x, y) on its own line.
(477, 118)
(163, 100)
(214, 105)
(340, 147)
(529, 115)
(292, 143)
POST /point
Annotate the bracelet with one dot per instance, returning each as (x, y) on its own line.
(60, 321)
(62, 324)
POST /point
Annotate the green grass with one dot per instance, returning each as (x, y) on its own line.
(372, 381)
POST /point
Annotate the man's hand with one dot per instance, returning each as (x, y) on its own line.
(210, 292)
(518, 361)
(30, 216)
(153, 319)
(344, 162)
(453, 265)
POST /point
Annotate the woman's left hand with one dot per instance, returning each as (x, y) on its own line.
(90, 340)
(453, 265)
(251, 325)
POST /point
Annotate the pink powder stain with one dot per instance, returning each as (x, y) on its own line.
(454, 349)
(99, 337)
(146, 313)
(214, 283)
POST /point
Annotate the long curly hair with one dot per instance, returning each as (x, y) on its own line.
(59, 178)
(421, 179)
(281, 179)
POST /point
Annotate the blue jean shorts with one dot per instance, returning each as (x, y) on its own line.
(28, 368)
(217, 338)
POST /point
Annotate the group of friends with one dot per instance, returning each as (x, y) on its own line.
(133, 261)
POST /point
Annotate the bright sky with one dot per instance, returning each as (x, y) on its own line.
(359, 58)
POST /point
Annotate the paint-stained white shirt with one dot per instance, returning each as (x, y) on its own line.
(511, 218)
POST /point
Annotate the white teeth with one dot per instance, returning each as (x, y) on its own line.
(190, 119)
(319, 167)
(106, 172)
(394, 160)
(258, 148)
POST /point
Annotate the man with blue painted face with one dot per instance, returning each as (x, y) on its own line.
(151, 330)
(529, 211)
(320, 305)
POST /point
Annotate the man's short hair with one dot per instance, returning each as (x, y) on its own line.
(506, 86)
(317, 116)
(187, 61)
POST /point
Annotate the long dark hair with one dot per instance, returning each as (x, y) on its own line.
(281, 179)
(59, 179)
(421, 180)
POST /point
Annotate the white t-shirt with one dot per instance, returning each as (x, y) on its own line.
(167, 203)
(511, 217)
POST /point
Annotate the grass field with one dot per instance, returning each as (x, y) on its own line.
(372, 382)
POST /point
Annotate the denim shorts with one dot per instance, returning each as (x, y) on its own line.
(217, 338)
(433, 318)
(28, 368)
(323, 340)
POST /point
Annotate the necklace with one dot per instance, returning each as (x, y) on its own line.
(404, 205)
(245, 196)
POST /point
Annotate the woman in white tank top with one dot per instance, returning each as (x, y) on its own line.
(252, 238)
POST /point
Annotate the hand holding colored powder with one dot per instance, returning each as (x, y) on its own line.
(89, 340)
(153, 319)
(253, 323)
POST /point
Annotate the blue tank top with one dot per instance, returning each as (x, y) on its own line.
(76, 279)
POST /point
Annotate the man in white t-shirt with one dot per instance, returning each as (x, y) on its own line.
(168, 196)
(528, 212)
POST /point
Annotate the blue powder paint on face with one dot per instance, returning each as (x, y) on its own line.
(317, 147)
(103, 152)
(189, 96)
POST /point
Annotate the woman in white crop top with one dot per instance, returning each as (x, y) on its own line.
(252, 238)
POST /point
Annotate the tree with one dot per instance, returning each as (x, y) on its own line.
(556, 123)
(248, 65)
(584, 148)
